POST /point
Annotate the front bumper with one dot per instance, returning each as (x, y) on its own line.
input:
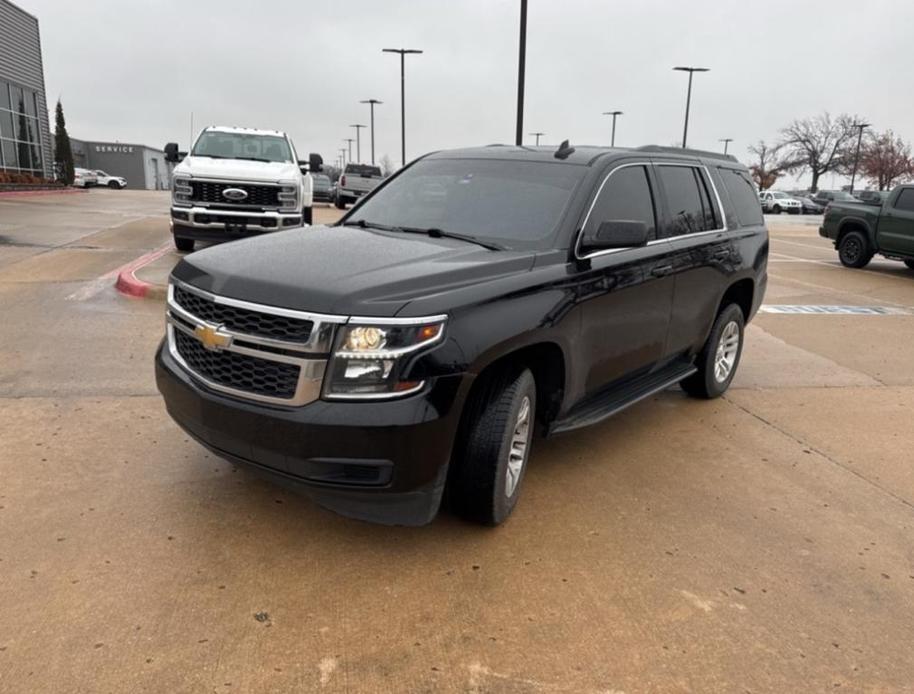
(205, 218)
(384, 462)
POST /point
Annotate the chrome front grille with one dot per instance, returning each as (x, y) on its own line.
(210, 192)
(251, 351)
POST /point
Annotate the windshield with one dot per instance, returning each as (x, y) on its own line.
(779, 196)
(222, 145)
(321, 178)
(511, 203)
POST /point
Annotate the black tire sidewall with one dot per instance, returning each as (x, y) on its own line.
(712, 387)
(862, 258)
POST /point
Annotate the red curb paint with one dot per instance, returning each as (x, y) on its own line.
(17, 193)
(128, 283)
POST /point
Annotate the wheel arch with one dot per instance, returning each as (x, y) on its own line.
(850, 224)
(742, 293)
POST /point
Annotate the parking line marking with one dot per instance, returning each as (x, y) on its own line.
(826, 310)
(104, 281)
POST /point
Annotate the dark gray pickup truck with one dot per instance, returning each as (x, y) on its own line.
(861, 230)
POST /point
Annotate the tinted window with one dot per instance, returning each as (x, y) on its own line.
(364, 170)
(514, 203)
(905, 200)
(626, 195)
(742, 195)
(688, 199)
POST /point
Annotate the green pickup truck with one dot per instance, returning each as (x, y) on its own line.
(860, 230)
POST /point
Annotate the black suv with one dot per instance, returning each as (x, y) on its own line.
(406, 353)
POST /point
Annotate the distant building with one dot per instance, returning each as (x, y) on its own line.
(25, 138)
(143, 167)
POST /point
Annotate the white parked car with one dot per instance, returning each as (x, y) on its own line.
(238, 182)
(104, 179)
(775, 202)
(83, 178)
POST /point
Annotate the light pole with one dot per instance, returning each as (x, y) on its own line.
(342, 158)
(349, 141)
(726, 141)
(537, 136)
(521, 69)
(860, 127)
(402, 52)
(691, 71)
(372, 102)
(614, 114)
(358, 143)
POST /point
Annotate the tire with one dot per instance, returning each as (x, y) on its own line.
(340, 203)
(184, 244)
(776, 209)
(307, 214)
(483, 487)
(726, 339)
(910, 264)
(114, 185)
(854, 250)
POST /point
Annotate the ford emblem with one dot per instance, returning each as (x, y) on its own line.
(234, 194)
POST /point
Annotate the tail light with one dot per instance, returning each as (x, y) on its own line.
(342, 180)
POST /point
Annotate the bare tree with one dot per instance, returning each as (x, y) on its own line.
(770, 164)
(819, 145)
(387, 166)
(886, 159)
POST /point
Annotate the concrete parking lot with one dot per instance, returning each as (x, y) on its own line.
(759, 542)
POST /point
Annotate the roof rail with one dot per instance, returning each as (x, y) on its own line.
(680, 150)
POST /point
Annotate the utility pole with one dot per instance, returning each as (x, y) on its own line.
(358, 144)
(521, 69)
(372, 102)
(614, 114)
(691, 71)
(860, 127)
(537, 136)
(726, 141)
(349, 140)
(402, 52)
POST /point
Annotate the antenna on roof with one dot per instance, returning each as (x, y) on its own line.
(564, 151)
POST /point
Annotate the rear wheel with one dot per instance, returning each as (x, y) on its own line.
(719, 358)
(184, 244)
(307, 215)
(340, 203)
(491, 461)
(909, 263)
(854, 250)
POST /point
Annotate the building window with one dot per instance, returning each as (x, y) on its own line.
(20, 145)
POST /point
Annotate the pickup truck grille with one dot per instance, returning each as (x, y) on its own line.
(239, 371)
(258, 195)
(243, 320)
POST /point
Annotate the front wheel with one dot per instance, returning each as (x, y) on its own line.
(340, 203)
(854, 250)
(307, 215)
(114, 185)
(490, 465)
(910, 264)
(719, 358)
(776, 209)
(184, 244)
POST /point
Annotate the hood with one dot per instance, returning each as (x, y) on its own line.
(238, 169)
(345, 270)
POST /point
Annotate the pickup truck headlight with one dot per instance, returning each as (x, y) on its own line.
(288, 196)
(182, 191)
(369, 359)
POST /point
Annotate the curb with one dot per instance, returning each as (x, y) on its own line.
(17, 193)
(129, 284)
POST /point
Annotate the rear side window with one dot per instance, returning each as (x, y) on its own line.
(742, 195)
(626, 195)
(364, 170)
(905, 200)
(689, 199)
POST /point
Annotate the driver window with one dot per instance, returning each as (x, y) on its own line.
(625, 195)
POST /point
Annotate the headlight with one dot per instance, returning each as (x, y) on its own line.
(288, 196)
(182, 190)
(370, 359)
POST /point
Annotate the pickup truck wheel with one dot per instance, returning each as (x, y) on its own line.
(909, 263)
(493, 456)
(854, 250)
(719, 358)
(184, 244)
(340, 203)
(307, 215)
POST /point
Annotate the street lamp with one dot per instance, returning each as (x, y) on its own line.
(860, 127)
(614, 114)
(726, 141)
(537, 136)
(521, 69)
(358, 144)
(691, 71)
(372, 102)
(402, 52)
(349, 141)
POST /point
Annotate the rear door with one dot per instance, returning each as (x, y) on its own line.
(895, 232)
(701, 250)
(627, 293)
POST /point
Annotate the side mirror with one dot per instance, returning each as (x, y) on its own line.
(172, 154)
(618, 233)
(303, 166)
(315, 162)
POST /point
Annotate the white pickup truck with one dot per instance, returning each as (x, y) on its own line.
(238, 182)
(357, 180)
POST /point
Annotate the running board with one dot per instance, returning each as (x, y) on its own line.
(600, 407)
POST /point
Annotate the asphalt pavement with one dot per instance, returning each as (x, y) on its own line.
(761, 542)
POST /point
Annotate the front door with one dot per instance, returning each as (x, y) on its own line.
(895, 233)
(627, 293)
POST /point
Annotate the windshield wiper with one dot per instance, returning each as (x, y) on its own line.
(254, 159)
(362, 224)
(437, 233)
(208, 156)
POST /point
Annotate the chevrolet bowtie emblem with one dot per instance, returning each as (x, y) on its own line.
(211, 337)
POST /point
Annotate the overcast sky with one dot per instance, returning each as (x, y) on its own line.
(134, 71)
